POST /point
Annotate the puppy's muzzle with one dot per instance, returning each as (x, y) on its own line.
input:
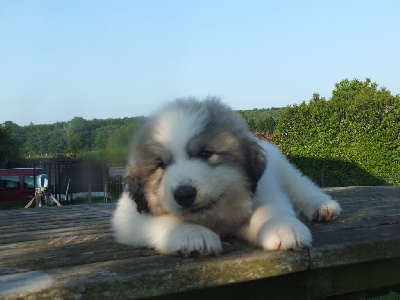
(185, 195)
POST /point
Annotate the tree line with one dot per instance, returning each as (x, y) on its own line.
(72, 138)
(358, 126)
(109, 138)
(262, 120)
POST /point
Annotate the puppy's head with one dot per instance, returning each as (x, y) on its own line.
(196, 160)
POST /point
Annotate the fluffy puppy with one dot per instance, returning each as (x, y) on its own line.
(196, 173)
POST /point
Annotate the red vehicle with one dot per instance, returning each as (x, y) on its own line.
(18, 184)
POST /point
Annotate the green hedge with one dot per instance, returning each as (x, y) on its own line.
(358, 126)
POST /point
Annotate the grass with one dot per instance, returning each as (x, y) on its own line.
(390, 296)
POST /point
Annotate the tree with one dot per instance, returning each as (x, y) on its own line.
(10, 144)
(57, 139)
(266, 125)
(78, 135)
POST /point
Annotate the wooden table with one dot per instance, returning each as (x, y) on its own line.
(68, 252)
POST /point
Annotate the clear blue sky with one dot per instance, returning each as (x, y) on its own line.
(113, 59)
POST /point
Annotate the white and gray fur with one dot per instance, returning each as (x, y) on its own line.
(196, 173)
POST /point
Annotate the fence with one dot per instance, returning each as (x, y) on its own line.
(115, 188)
(322, 177)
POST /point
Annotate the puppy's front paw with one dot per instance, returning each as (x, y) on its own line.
(193, 240)
(321, 210)
(290, 234)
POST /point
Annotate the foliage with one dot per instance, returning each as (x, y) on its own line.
(359, 124)
(79, 137)
(354, 136)
(9, 138)
(109, 139)
(262, 120)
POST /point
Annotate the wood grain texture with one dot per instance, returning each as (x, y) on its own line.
(68, 252)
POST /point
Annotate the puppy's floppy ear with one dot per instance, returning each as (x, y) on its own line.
(255, 162)
(134, 186)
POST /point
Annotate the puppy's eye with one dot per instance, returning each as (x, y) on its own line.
(205, 154)
(162, 165)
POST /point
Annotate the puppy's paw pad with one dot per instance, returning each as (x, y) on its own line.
(281, 235)
(194, 241)
(324, 210)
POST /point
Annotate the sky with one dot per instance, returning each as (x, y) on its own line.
(114, 59)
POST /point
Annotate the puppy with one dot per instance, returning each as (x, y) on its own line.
(197, 173)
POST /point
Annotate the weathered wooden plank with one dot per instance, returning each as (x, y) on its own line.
(69, 252)
(51, 233)
(150, 276)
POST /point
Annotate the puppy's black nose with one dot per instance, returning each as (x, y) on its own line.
(185, 195)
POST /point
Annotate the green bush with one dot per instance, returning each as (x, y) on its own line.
(359, 125)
